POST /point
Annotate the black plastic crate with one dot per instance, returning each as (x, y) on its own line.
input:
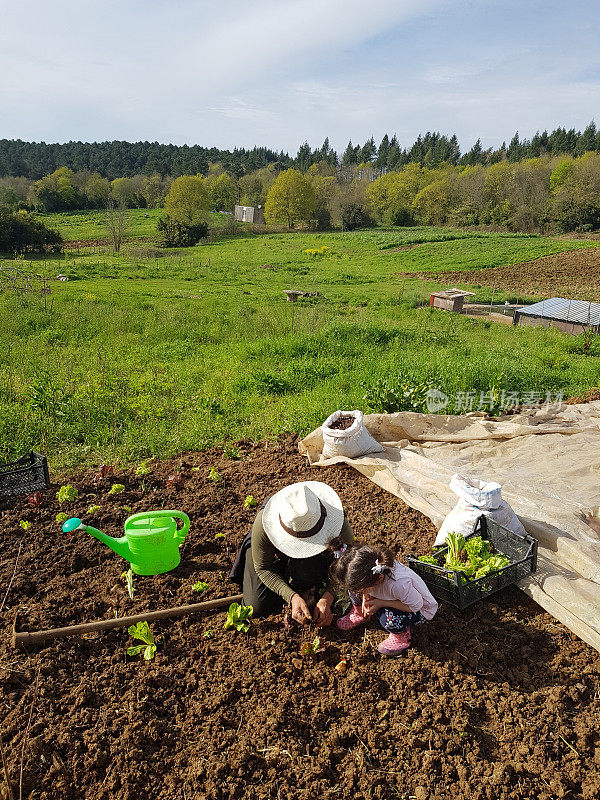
(27, 475)
(450, 585)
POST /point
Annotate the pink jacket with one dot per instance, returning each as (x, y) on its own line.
(407, 587)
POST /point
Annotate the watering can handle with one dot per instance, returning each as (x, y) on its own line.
(181, 533)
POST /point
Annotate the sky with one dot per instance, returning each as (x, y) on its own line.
(277, 73)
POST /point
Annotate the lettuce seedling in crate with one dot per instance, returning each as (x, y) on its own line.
(67, 494)
(238, 617)
(142, 632)
(116, 488)
(128, 578)
(200, 586)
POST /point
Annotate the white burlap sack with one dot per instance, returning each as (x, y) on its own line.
(476, 498)
(355, 441)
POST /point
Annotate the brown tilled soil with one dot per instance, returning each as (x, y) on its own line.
(501, 702)
(341, 423)
(573, 274)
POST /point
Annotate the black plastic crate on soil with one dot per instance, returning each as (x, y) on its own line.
(26, 475)
(450, 585)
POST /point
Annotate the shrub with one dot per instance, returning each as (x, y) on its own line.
(354, 216)
(23, 233)
(172, 233)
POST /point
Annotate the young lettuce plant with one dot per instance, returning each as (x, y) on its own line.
(116, 488)
(238, 617)
(67, 494)
(93, 509)
(142, 631)
(312, 648)
(200, 586)
(143, 469)
(213, 475)
(249, 502)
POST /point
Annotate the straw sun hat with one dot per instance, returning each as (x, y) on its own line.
(301, 519)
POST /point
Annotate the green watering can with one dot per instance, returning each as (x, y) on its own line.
(151, 542)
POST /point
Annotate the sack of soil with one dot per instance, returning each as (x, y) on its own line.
(344, 434)
(477, 498)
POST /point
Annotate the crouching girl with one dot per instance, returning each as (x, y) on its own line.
(379, 585)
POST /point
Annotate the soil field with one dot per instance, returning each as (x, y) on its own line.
(575, 273)
(501, 702)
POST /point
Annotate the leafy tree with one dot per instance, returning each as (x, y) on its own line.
(123, 191)
(188, 200)
(222, 192)
(291, 199)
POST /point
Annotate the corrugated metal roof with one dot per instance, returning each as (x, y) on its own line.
(565, 310)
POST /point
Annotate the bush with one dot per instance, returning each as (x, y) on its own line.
(172, 233)
(354, 216)
(22, 233)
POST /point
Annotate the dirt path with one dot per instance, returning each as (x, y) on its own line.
(502, 702)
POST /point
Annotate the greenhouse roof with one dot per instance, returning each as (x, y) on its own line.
(565, 310)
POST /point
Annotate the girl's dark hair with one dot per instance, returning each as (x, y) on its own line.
(354, 570)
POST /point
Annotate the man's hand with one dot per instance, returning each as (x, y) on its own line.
(322, 615)
(300, 610)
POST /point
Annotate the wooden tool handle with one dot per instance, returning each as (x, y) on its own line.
(23, 638)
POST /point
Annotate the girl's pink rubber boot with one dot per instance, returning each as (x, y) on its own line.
(395, 644)
(351, 620)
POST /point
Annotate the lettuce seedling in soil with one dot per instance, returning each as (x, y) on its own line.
(36, 499)
(142, 631)
(24, 524)
(213, 475)
(249, 502)
(208, 634)
(233, 453)
(104, 470)
(200, 586)
(67, 494)
(219, 535)
(128, 578)
(143, 469)
(93, 509)
(238, 617)
(174, 481)
(62, 517)
(116, 488)
(312, 648)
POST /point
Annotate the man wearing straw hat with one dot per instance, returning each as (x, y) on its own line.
(291, 547)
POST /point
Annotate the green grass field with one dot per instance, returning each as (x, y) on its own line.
(148, 354)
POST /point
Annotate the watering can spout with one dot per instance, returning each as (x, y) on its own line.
(120, 546)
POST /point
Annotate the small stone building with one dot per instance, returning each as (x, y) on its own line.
(449, 300)
(253, 214)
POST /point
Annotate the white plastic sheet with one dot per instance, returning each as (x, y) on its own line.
(548, 463)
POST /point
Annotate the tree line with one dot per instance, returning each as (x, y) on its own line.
(117, 159)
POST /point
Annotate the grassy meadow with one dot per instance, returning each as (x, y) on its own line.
(152, 352)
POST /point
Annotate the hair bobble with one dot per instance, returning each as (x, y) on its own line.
(378, 569)
(339, 553)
